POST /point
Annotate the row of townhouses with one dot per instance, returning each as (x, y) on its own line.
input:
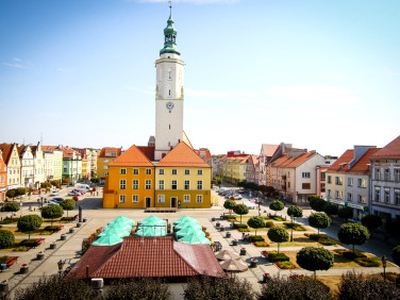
(365, 178)
(28, 166)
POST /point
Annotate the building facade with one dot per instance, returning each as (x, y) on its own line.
(3, 178)
(385, 181)
(13, 163)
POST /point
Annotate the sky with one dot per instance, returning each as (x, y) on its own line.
(320, 75)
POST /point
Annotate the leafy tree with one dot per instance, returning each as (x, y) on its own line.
(277, 205)
(371, 221)
(314, 258)
(55, 183)
(345, 213)
(45, 185)
(331, 208)
(52, 212)
(55, 287)
(229, 204)
(396, 254)
(10, 206)
(353, 234)
(392, 226)
(29, 223)
(357, 286)
(21, 191)
(68, 205)
(278, 235)
(228, 288)
(11, 193)
(294, 212)
(241, 209)
(317, 204)
(143, 288)
(319, 220)
(7, 239)
(256, 222)
(301, 288)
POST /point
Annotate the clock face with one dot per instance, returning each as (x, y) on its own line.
(170, 105)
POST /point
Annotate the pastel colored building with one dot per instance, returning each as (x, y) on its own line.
(3, 178)
(130, 182)
(13, 162)
(107, 155)
(53, 162)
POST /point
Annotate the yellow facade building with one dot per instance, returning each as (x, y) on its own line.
(181, 179)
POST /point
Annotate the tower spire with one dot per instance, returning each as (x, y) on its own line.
(170, 35)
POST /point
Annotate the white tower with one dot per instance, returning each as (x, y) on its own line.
(169, 94)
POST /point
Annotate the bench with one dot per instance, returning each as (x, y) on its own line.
(12, 260)
(160, 209)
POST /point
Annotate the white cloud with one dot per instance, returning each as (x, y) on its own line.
(14, 65)
(16, 59)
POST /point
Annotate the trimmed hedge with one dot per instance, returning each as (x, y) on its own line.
(256, 238)
(368, 262)
(269, 224)
(241, 226)
(9, 220)
(275, 256)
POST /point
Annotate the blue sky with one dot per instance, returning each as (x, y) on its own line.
(322, 75)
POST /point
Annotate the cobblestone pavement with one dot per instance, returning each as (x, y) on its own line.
(69, 249)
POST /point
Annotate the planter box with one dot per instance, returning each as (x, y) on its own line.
(53, 246)
(24, 270)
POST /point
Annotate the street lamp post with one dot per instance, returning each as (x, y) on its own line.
(384, 261)
(60, 264)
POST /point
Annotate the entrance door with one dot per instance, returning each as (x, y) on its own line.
(148, 202)
(173, 201)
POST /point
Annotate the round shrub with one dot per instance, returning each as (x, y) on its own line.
(7, 239)
(10, 206)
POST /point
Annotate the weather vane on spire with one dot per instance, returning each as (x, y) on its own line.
(170, 7)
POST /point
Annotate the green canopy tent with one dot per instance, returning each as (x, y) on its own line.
(114, 231)
(195, 239)
(179, 227)
(153, 220)
(152, 231)
(119, 226)
(183, 219)
(122, 219)
(107, 240)
(186, 223)
(189, 230)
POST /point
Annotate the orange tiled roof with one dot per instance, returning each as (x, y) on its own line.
(104, 150)
(7, 151)
(391, 150)
(157, 257)
(292, 162)
(132, 157)
(207, 154)
(345, 159)
(148, 151)
(362, 165)
(182, 156)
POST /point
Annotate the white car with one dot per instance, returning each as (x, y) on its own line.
(54, 193)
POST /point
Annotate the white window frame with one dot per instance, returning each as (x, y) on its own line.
(147, 185)
(122, 171)
(122, 198)
(186, 198)
(187, 172)
(122, 184)
(135, 184)
(199, 184)
(187, 185)
(160, 171)
(161, 199)
(135, 198)
(174, 183)
(199, 172)
(135, 171)
(199, 198)
(161, 184)
(174, 172)
(148, 171)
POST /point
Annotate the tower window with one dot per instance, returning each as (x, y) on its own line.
(169, 92)
(169, 126)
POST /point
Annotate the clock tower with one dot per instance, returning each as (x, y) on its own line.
(169, 94)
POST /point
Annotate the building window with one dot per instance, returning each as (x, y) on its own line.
(135, 171)
(350, 181)
(186, 198)
(377, 194)
(349, 197)
(338, 194)
(122, 171)
(338, 180)
(397, 197)
(161, 184)
(135, 184)
(122, 184)
(187, 185)
(187, 172)
(305, 175)
(306, 186)
(105, 174)
(387, 195)
(377, 174)
(105, 167)
(121, 198)
(387, 174)
(161, 171)
(135, 198)
(199, 184)
(397, 175)
(161, 199)
(148, 184)
(148, 171)
(329, 179)
(174, 185)
(362, 182)
(199, 198)
(361, 199)
(106, 161)
(199, 172)
(174, 171)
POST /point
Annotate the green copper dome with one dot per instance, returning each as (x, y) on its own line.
(170, 38)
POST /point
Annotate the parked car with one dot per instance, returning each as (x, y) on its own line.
(57, 199)
(74, 193)
(54, 193)
(220, 191)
